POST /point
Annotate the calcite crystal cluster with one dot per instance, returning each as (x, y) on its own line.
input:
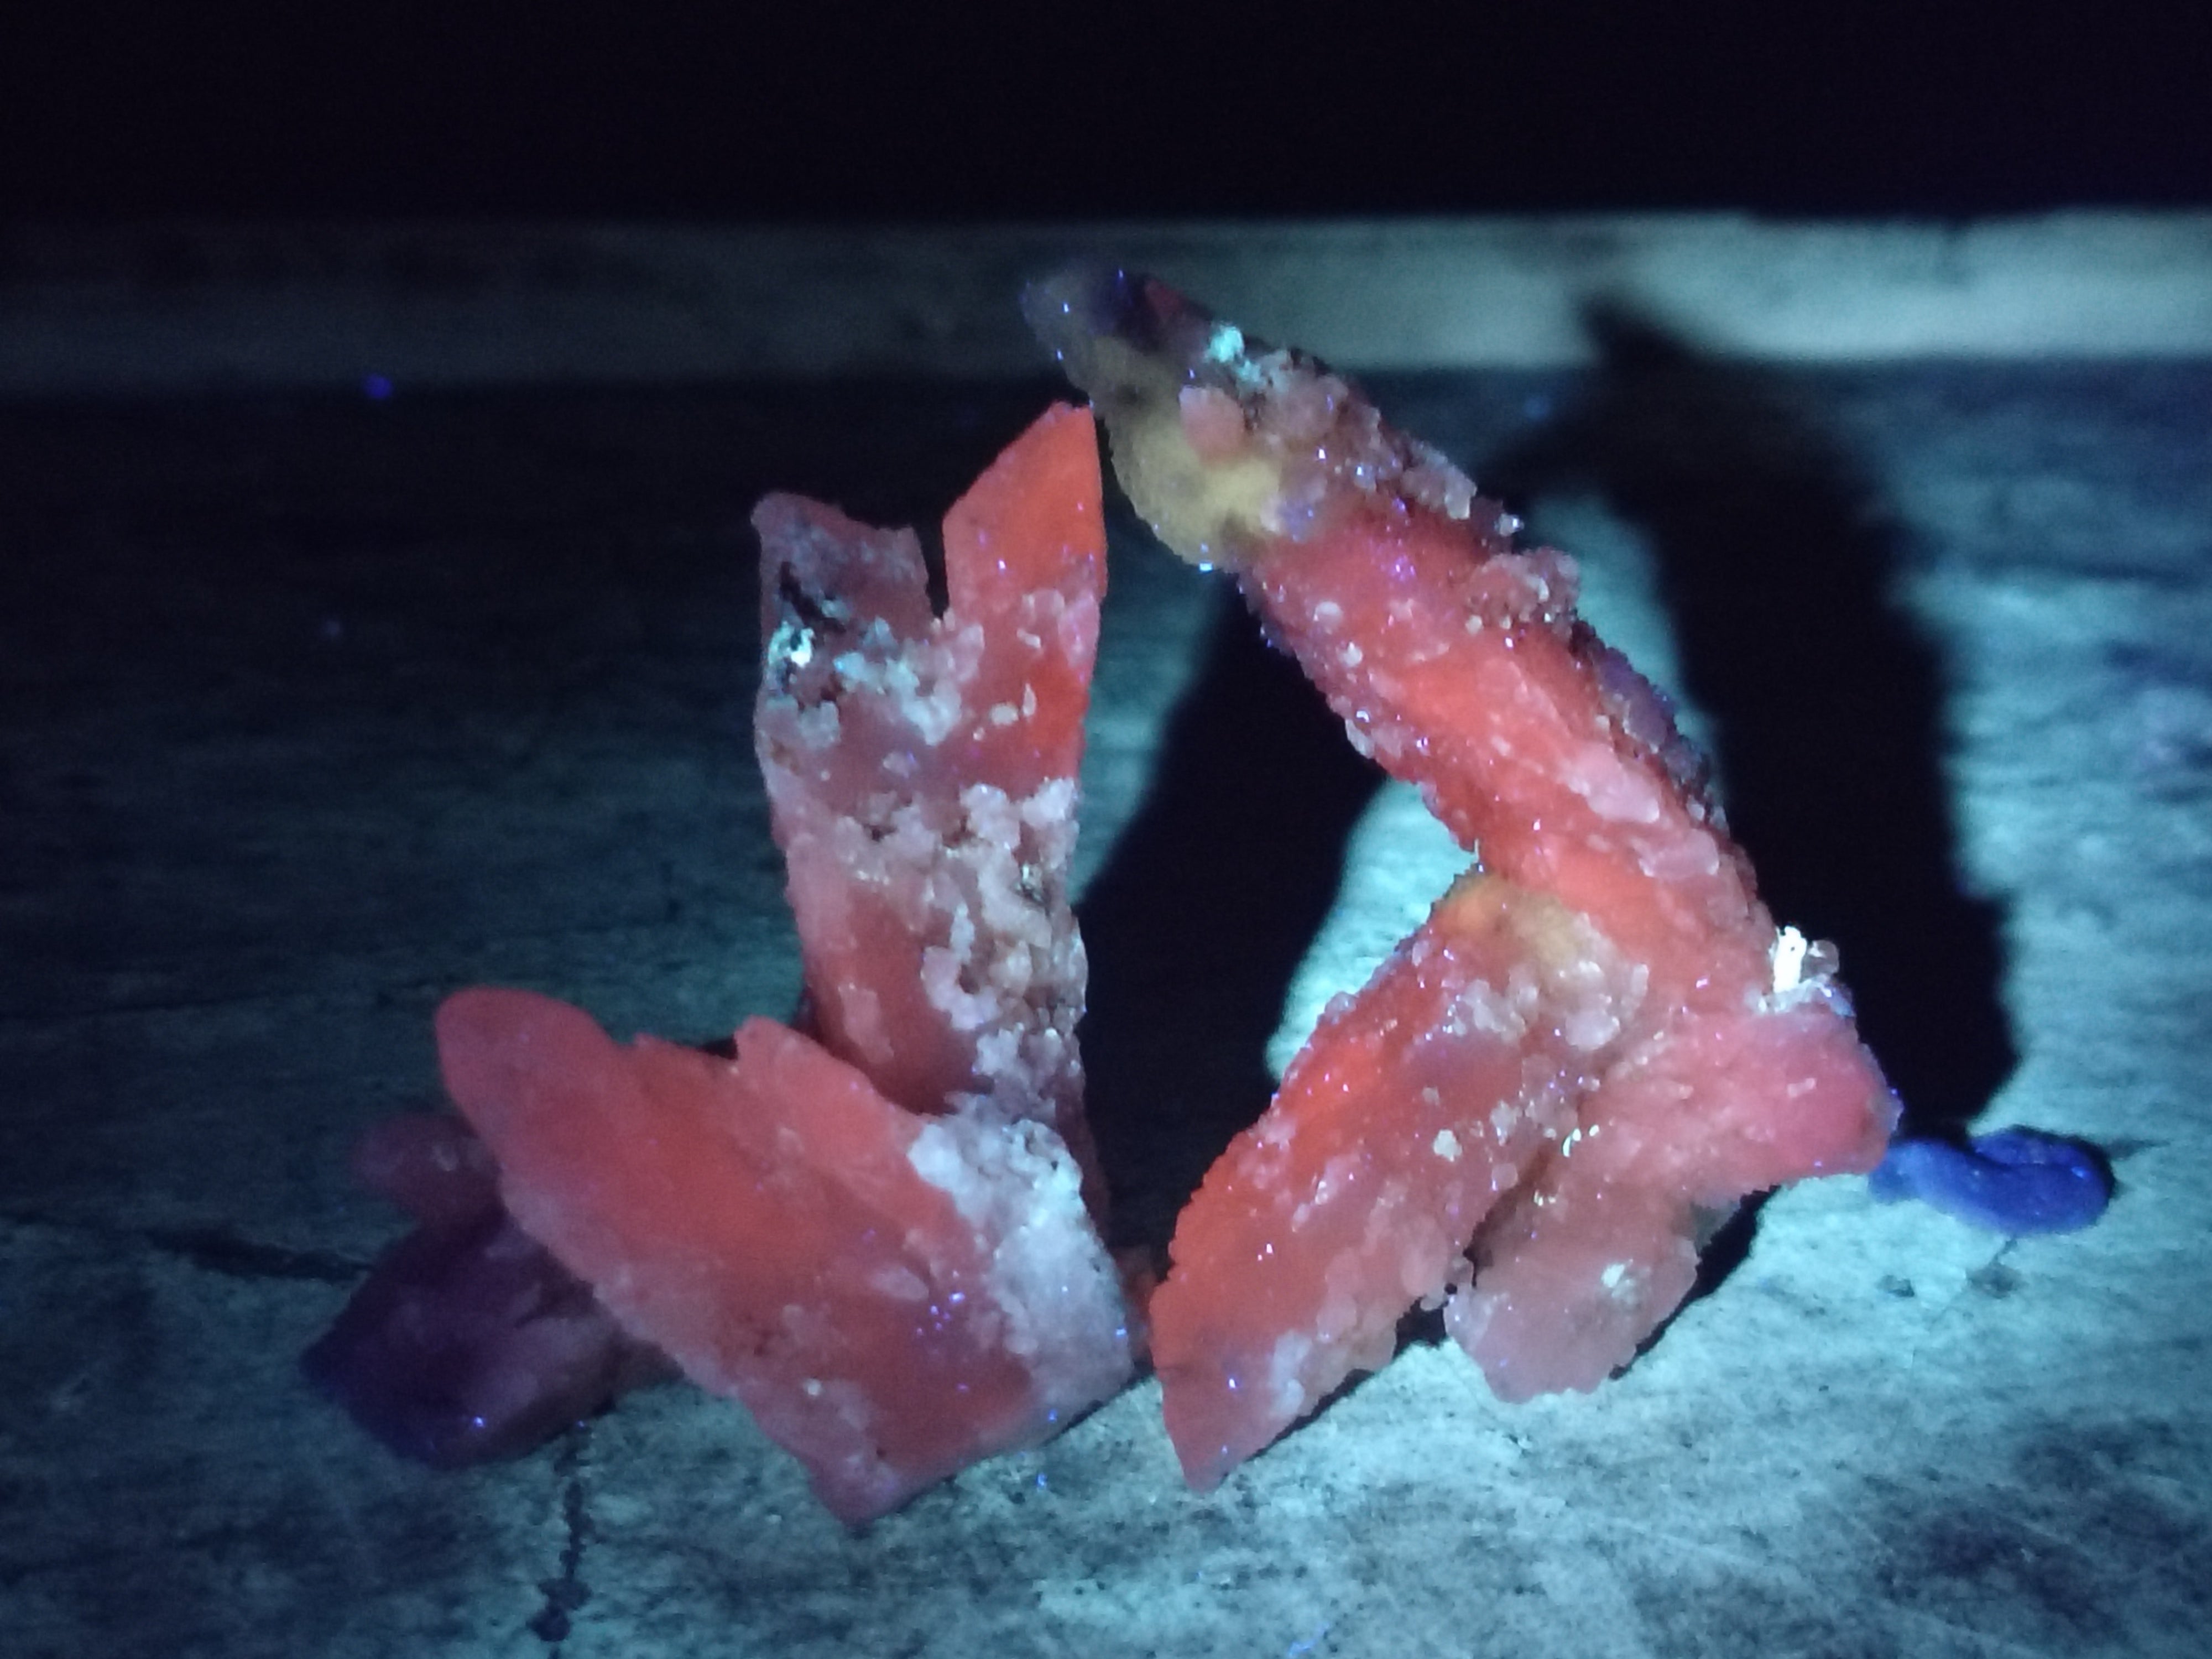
(874, 1231)
(1597, 1044)
(878, 1226)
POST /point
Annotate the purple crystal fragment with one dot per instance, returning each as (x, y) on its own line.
(468, 1342)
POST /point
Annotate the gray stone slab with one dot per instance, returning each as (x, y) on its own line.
(313, 708)
(173, 308)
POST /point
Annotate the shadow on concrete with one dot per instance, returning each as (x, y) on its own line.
(1198, 921)
(1777, 563)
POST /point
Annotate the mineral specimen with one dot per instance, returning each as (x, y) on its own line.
(893, 1296)
(873, 1233)
(1590, 1052)
(878, 1228)
(921, 777)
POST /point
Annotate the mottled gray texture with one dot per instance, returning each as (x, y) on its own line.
(172, 308)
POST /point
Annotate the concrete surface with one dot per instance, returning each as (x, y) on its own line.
(185, 307)
(314, 707)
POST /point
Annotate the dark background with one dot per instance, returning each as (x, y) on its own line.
(827, 110)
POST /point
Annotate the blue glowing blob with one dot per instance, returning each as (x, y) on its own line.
(375, 387)
(2016, 1181)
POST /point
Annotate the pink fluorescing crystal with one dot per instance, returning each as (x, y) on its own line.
(878, 1241)
(892, 1296)
(921, 774)
(1691, 1053)
(1411, 1108)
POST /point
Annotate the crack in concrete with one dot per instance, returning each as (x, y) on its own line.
(217, 1250)
(566, 1591)
(212, 1249)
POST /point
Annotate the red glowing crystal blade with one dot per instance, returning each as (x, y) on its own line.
(1459, 664)
(1415, 1104)
(769, 1223)
(921, 774)
(879, 1241)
